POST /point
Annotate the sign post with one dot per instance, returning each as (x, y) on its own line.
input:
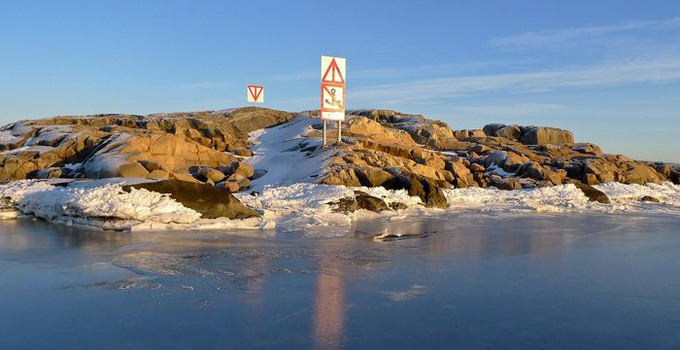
(255, 94)
(333, 92)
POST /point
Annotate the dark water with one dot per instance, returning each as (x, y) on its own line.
(472, 282)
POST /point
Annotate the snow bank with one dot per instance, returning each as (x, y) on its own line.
(281, 150)
(304, 207)
(99, 204)
(568, 198)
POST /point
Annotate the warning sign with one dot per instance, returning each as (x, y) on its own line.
(256, 93)
(333, 94)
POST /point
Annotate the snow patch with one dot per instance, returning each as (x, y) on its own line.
(287, 154)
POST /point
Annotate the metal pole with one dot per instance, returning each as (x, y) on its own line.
(339, 131)
(324, 134)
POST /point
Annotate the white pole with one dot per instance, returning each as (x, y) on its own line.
(339, 131)
(324, 134)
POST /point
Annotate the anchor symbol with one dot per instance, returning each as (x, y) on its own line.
(334, 101)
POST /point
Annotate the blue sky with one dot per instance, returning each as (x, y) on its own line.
(607, 70)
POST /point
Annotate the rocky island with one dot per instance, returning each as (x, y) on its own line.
(177, 169)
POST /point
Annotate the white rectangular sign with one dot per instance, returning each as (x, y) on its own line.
(333, 92)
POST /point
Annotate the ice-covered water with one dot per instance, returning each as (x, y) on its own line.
(467, 279)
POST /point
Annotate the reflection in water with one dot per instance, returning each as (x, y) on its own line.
(329, 306)
(475, 282)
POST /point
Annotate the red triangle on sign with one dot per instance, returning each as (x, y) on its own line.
(335, 73)
(255, 91)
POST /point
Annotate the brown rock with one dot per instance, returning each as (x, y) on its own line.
(243, 152)
(372, 177)
(368, 202)
(242, 168)
(341, 177)
(593, 194)
(479, 149)
(463, 175)
(467, 134)
(587, 148)
(639, 173)
(132, 170)
(183, 177)
(158, 175)
(477, 168)
(211, 174)
(649, 199)
(506, 184)
(150, 165)
(511, 132)
(212, 203)
(427, 189)
(535, 135)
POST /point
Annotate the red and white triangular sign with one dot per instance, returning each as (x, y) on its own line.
(255, 93)
(332, 70)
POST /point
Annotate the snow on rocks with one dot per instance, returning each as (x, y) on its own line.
(303, 207)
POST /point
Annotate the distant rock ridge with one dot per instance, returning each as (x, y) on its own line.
(380, 148)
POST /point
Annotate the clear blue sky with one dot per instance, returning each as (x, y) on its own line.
(607, 70)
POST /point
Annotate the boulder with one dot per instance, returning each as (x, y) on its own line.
(132, 170)
(230, 186)
(480, 149)
(639, 173)
(468, 134)
(593, 194)
(372, 177)
(511, 132)
(598, 170)
(345, 205)
(368, 202)
(649, 199)
(539, 135)
(378, 133)
(243, 152)
(211, 174)
(513, 161)
(210, 202)
(669, 172)
(341, 177)
(497, 157)
(587, 148)
(506, 184)
(463, 176)
(490, 129)
(49, 173)
(242, 168)
(158, 175)
(150, 165)
(538, 172)
(427, 189)
(183, 177)
(477, 168)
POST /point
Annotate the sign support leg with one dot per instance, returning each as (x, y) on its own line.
(339, 131)
(324, 134)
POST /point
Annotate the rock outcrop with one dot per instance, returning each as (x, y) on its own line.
(157, 146)
(210, 202)
(380, 148)
(530, 135)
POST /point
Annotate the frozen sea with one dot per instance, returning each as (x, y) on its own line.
(461, 281)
